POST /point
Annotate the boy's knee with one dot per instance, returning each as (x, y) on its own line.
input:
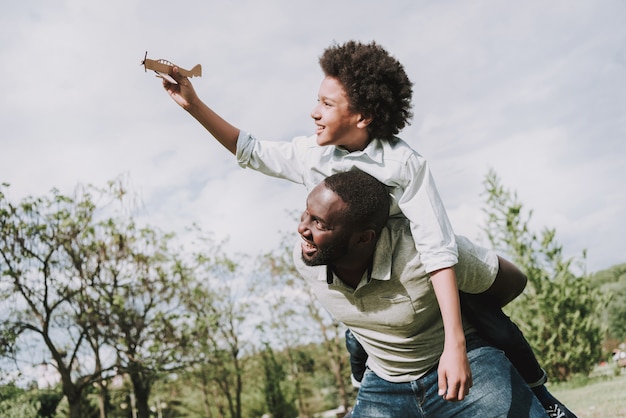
(510, 282)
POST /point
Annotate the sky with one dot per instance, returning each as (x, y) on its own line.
(534, 90)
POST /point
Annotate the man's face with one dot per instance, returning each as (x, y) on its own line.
(325, 233)
(336, 124)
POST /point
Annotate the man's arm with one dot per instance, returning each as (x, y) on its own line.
(184, 94)
(455, 376)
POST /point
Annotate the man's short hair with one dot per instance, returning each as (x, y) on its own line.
(367, 199)
(375, 82)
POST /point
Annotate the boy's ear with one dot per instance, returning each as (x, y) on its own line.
(364, 121)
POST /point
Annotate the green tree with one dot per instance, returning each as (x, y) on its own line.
(40, 285)
(135, 303)
(17, 403)
(80, 275)
(218, 305)
(277, 404)
(612, 282)
(297, 318)
(558, 310)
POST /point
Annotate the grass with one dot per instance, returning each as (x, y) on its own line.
(602, 396)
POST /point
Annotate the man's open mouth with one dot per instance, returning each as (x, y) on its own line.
(308, 248)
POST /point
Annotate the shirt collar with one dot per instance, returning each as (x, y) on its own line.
(383, 254)
(373, 151)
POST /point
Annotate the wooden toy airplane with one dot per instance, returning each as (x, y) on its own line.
(162, 68)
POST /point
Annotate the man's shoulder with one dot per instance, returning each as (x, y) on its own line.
(398, 226)
(396, 237)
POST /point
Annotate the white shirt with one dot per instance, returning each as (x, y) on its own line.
(393, 163)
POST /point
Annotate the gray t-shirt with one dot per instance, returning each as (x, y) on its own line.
(393, 312)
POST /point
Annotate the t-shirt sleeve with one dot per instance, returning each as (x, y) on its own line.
(477, 266)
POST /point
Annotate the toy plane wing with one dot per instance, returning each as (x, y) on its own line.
(162, 68)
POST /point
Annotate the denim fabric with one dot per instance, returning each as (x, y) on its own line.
(498, 391)
(358, 356)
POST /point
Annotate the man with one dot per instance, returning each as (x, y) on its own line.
(366, 272)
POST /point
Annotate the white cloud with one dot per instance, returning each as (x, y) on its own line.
(533, 90)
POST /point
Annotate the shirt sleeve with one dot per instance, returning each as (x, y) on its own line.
(279, 159)
(421, 204)
(477, 267)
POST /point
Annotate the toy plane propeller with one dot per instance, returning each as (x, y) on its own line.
(162, 68)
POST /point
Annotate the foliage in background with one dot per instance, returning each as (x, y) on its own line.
(558, 311)
(217, 307)
(16, 402)
(43, 287)
(612, 282)
(277, 403)
(106, 298)
(296, 318)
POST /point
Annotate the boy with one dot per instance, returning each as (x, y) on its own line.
(364, 101)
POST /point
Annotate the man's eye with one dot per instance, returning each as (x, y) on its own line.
(319, 225)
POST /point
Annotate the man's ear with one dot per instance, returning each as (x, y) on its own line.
(366, 237)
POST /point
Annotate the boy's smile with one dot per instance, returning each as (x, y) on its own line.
(336, 123)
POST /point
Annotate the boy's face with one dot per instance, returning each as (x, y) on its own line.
(336, 124)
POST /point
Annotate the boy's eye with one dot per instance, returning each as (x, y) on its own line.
(324, 102)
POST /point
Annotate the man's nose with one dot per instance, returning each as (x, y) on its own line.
(303, 226)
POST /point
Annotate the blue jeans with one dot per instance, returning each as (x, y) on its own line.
(498, 391)
(358, 356)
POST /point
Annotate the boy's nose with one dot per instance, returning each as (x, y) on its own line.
(315, 114)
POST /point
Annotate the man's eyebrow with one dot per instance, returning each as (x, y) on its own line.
(322, 220)
(316, 217)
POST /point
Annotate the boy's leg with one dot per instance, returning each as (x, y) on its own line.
(494, 326)
(358, 358)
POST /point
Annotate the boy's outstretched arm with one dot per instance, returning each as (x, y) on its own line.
(455, 375)
(184, 94)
